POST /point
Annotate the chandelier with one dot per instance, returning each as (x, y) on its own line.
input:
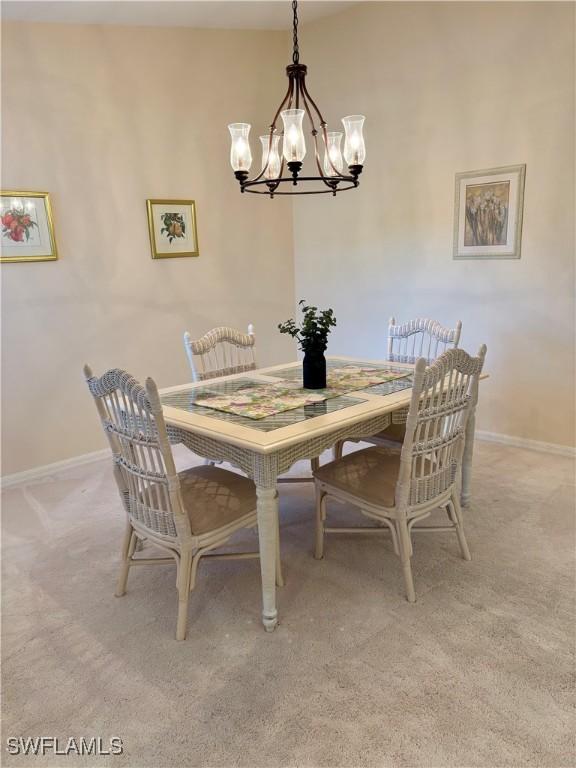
(297, 104)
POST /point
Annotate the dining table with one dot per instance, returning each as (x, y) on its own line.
(266, 446)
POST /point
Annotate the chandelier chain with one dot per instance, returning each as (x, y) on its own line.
(295, 52)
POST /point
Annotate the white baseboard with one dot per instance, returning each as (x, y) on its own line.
(37, 473)
(523, 442)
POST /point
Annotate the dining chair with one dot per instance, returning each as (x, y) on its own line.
(398, 490)
(408, 342)
(186, 514)
(222, 352)
(421, 337)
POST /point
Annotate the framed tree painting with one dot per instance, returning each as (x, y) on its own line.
(27, 229)
(488, 213)
(172, 228)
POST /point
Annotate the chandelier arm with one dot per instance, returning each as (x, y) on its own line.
(273, 128)
(314, 131)
(323, 127)
(287, 98)
(311, 100)
(324, 178)
(307, 97)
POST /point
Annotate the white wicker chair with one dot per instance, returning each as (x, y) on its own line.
(420, 338)
(220, 352)
(400, 489)
(406, 344)
(187, 514)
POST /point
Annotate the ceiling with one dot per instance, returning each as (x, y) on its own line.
(221, 14)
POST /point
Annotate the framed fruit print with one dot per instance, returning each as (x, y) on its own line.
(172, 228)
(27, 228)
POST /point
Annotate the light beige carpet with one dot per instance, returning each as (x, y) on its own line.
(479, 672)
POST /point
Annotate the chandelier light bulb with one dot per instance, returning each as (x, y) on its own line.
(354, 147)
(240, 154)
(333, 162)
(270, 156)
(294, 145)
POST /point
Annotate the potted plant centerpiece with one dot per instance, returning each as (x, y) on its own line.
(312, 338)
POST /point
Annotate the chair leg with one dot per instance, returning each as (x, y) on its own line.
(183, 585)
(194, 570)
(128, 547)
(337, 450)
(458, 521)
(405, 555)
(320, 517)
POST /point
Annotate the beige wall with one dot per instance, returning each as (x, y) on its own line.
(104, 118)
(451, 87)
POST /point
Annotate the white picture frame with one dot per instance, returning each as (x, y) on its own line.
(488, 213)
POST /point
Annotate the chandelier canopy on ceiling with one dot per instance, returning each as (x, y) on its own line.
(296, 105)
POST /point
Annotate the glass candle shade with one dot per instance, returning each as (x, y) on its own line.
(270, 156)
(333, 162)
(294, 146)
(354, 147)
(240, 154)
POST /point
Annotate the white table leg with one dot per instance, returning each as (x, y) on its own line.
(467, 458)
(267, 508)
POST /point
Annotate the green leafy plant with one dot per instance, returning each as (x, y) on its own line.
(312, 334)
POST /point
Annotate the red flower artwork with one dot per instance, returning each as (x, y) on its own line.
(16, 225)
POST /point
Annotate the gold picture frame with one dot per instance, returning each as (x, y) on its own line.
(172, 228)
(26, 228)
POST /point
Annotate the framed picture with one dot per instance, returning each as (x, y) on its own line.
(172, 227)
(488, 213)
(27, 232)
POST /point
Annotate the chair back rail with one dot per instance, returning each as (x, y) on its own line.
(220, 352)
(442, 396)
(421, 337)
(144, 468)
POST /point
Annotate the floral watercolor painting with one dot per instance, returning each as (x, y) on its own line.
(172, 228)
(487, 213)
(16, 225)
(26, 227)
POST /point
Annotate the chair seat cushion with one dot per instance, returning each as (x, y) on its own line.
(370, 475)
(214, 497)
